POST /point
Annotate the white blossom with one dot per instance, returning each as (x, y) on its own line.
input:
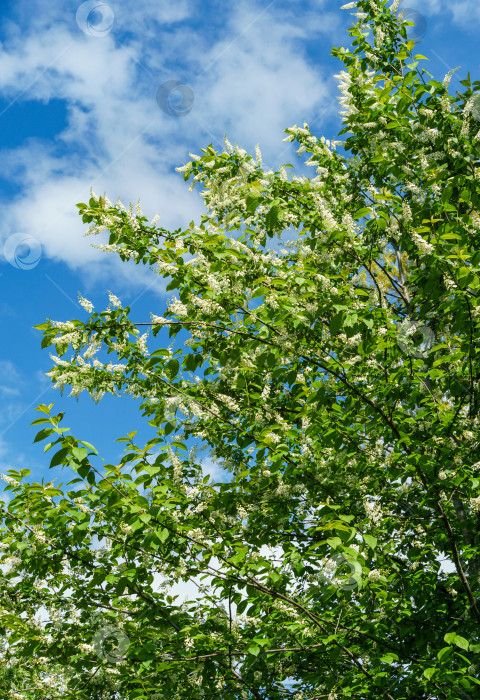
(114, 301)
(9, 480)
(142, 344)
(373, 511)
(475, 504)
(422, 244)
(126, 528)
(448, 77)
(84, 303)
(407, 212)
(374, 575)
(176, 307)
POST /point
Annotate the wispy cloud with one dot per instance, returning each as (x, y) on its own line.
(251, 77)
(464, 13)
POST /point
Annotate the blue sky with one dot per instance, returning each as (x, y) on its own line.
(78, 108)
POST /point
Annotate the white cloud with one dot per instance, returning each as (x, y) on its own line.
(214, 470)
(9, 373)
(464, 13)
(252, 80)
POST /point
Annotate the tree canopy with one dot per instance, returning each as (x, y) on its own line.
(334, 377)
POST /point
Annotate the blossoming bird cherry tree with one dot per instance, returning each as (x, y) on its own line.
(335, 380)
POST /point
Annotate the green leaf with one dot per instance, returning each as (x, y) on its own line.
(89, 446)
(446, 651)
(242, 606)
(336, 323)
(390, 658)
(79, 453)
(360, 213)
(43, 434)
(454, 638)
(271, 219)
(163, 535)
(252, 202)
(371, 541)
(172, 367)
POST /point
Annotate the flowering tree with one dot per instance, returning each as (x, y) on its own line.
(333, 377)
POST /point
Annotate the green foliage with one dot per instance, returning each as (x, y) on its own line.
(334, 380)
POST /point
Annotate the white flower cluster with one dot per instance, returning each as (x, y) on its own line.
(407, 212)
(39, 535)
(475, 504)
(344, 84)
(74, 339)
(465, 130)
(85, 304)
(379, 37)
(207, 306)
(38, 585)
(448, 77)
(422, 245)
(142, 344)
(373, 511)
(326, 215)
(81, 505)
(177, 466)
(165, 267)
(67, 326)
(12, 562)
(9, 480)
(243, 514)
(417, 192)
(126, 528)
(266, 389)
(158, 319)
(449, 284)
(176, 307)
(354, 341)
(114, 301)
(428, 134)
(229, 402)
